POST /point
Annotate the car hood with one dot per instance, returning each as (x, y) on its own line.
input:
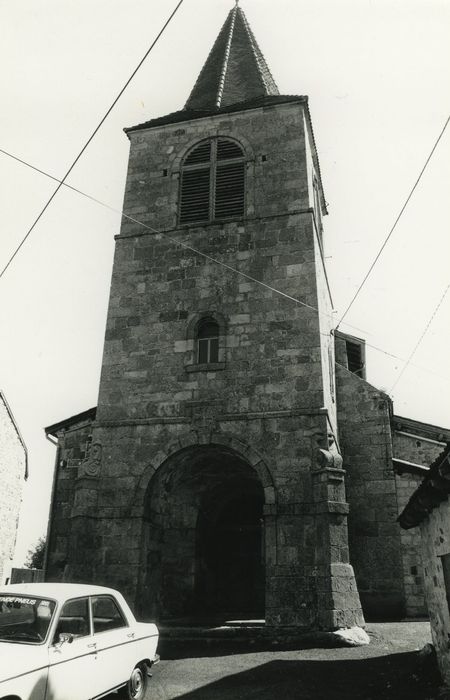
(16, 659)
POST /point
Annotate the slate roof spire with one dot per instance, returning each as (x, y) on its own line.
(235, 70)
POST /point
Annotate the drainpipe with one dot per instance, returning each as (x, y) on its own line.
(50, 515)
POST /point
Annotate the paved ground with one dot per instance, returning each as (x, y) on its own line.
(390, 668)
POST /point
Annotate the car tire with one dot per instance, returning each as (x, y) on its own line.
(137, 684)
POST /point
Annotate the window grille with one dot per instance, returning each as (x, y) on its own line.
(207, 342)
(213, 182)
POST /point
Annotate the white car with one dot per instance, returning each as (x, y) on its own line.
(61, 641)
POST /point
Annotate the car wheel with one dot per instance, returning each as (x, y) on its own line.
(137, 684)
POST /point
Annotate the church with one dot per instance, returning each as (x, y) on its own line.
(238, 464)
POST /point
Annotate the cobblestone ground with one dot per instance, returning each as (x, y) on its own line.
(392, 667)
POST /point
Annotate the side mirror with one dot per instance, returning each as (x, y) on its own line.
(64, 638)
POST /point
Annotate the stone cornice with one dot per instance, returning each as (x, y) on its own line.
(171, 420)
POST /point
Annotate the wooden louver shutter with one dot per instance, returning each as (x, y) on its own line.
(229, 195)
(195, 196)
(195, 185)
(230, 181)
(213, 182)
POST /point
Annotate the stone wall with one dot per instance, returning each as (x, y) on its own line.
(73, 445)
(12, 474)
(374, 537)
(415, 604)
(265, 411)
(418, 444)
(416, 448)
(272, 347)
(435, 531)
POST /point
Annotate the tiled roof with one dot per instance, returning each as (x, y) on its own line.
(88, 415)
(184, 115)
(235, 69)
(434, 489)
(428, 430)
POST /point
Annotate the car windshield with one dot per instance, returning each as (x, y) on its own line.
(24, 619)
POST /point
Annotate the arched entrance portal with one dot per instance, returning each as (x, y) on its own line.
(203, 539)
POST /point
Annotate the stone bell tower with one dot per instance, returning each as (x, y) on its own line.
(215, 484)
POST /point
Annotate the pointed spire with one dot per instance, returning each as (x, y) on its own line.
(235, 70)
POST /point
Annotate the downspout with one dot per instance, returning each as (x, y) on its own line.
(52, 499)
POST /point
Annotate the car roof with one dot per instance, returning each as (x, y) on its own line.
(57, 591)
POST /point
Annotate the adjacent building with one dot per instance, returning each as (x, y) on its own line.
(13, 472)
(428, 510)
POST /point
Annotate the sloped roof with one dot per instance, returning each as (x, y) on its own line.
(235, 69)
(434, 489)
(186, 114)
(88, 415)
(416, 427)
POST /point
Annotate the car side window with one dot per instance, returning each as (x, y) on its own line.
(74, 619)
(106, 614)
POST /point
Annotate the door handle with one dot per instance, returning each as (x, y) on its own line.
(131, 635)
(92, 646)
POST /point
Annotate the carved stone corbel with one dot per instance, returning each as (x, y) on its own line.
(93, 462)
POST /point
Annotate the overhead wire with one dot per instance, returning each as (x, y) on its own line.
(208, 257)
(377, 257)
(86, 144)
(173, 240)
(421, 337)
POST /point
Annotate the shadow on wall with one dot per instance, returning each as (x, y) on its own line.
(393, 677)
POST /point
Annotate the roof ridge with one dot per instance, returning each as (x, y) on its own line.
(235, 69)
(200, 75)
(261, 62)
(226, 57)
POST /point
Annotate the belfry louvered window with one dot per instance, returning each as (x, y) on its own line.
(213, 182)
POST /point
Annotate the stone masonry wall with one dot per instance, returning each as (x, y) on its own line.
(421, 450)
(12, 473)
(416, 448)
(309, 582)
(272, 347)
(267, 398)
(415, 603)
(374, 538)
(72, 451)
(435, 531)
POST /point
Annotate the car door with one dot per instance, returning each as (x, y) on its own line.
(72, 663)
(116, 652)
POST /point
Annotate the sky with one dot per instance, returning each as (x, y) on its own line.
(377, 73)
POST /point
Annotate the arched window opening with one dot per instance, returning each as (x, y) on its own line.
(213, 182)
(208, 342)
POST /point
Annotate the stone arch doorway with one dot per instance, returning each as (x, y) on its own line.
(203, 537)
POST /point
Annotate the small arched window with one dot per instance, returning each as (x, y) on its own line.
(207, 338)
(213, 182)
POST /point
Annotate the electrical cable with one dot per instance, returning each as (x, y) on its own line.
(170, 238)
(394, 226)
(422, 336)
(99, 125)
(200, 253)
